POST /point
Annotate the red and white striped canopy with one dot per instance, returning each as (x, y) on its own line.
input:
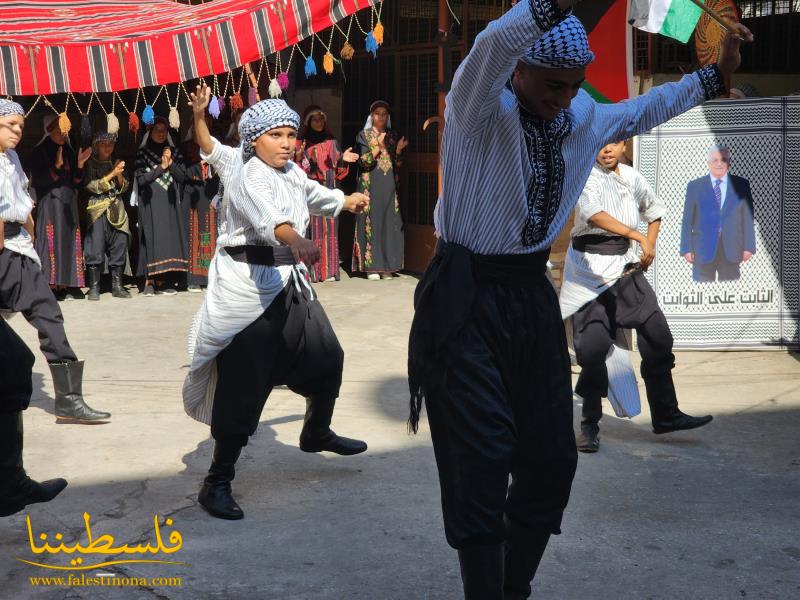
(60, 46)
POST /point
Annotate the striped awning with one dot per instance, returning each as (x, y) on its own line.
(58, 46)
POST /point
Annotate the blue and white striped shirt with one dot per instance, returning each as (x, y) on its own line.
(487, 172)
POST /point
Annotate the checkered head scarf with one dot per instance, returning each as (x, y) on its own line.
(9, 107)
(261, 118)
(565, 46)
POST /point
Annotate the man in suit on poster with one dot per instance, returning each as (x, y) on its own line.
(718, 231)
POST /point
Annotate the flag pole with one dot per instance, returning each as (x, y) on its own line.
(713, 14)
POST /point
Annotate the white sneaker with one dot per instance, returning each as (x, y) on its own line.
(374, 276)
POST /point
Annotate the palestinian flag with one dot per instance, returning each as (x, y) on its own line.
(673, 18)
(608, 78)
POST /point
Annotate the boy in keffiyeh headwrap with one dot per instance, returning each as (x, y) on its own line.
(108, 236)
(260, 325)
(487, 350)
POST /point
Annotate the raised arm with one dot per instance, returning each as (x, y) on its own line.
(322, 202)
(480, 77)
(199, 100)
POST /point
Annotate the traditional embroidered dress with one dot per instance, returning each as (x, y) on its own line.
(162, 245)
(487, 349)
(58, 236)
(379, 244)
(201, 187)
(320, 157)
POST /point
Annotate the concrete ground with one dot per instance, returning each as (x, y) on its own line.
(709, 514)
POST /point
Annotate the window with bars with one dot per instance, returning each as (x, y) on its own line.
(764, 8)
(641, 51)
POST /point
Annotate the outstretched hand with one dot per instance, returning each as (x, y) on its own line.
(349, 156)
(730, 56)
(200, 98)
(84, 155)
(356, 202)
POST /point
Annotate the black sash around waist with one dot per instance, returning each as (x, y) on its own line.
(607, 245)
(271, 256)
(509, 269)
(11, 229)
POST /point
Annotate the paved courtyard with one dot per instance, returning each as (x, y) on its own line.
(710, 514)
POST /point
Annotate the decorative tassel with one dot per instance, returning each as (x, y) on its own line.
(252, 96)
(174, 118)
(221, 101)
(327, 63)
(283, 80)
(112, 123)
(213, 107)
(133, 123)
(64, 124)
(377, 33)
(347, 51)
(236, 102)
(371, 45)
(311, 67)
(274, 89)
(86, 129)
(148, 115)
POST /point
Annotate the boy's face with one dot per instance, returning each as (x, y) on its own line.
(275, 146)
(11, 131)
(104, 149)
(611, 154)
(546, 92)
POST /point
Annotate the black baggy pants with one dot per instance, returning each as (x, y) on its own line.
(24, 289)
(631, 303)
(16, 370)
(104, 241)
(292, 343)
(504, 404)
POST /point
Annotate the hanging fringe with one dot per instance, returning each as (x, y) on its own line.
(86, 129)
(213, 107)
(252, 96)
(274, 89)
(283, 80)
(112, 123)
(236, 102)
(133, 123)
(377, 33)
(310, 67)
(174, 117)
(327, 63)
(371, 45)
(64, 124)
(148, 115)
(347, 51)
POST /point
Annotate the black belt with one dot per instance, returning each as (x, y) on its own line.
(510, 269)
(607, 245)
(271, 256)
(11, 229)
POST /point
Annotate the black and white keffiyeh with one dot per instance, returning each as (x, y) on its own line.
(9, 107)
(565, 46)
(262, 117)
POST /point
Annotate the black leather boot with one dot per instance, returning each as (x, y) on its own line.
(664, 411)
(68, 385)
(17, 490)
(523, 552)
(94, 282)
(589, 438)
(482, 572)
(117, 289)
(215, 495)
(317, 435)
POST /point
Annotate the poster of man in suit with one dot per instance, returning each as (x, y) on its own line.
(718, 230)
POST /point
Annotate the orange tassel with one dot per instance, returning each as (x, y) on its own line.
(327, 63)
(236, 102)
(377, 33)
(64, 124)
(133, 123)
(347, 51)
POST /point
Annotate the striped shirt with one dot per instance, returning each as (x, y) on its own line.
(504, 194)
(258, 198)
(16, 203)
